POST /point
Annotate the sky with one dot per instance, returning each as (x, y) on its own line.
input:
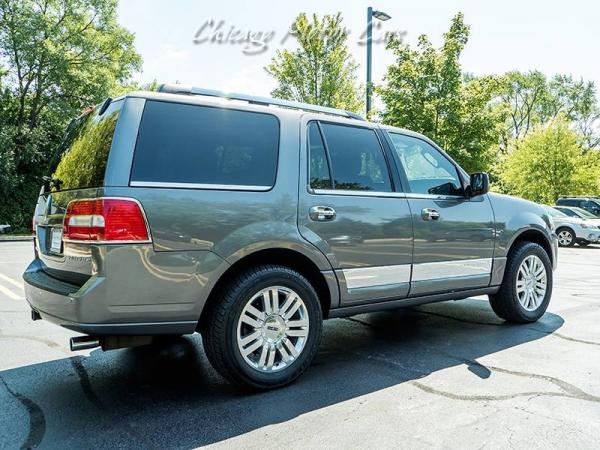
(178, 43)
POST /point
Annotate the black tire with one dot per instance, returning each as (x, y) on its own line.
(505, 302)
(567, 232)
(219, 329)
(583, 243)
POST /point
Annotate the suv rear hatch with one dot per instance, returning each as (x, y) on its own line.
(77, 174)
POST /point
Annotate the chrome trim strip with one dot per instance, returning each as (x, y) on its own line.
(411, 195)
(376, 276)
(451, 269)
(220, 187)
(408, 195)
(347, 192)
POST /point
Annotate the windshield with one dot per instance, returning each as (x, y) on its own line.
(583, 213)
(555, 213)
(84, 152)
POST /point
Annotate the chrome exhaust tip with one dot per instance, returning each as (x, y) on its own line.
(83, 343)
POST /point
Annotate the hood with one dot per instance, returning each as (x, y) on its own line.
(521, 202)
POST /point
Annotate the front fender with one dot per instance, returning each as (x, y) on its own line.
(515, 216)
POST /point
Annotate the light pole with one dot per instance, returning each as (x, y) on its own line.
(383, 17)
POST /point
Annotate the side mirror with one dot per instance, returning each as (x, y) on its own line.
(479, 184)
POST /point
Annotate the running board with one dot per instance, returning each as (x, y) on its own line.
(345, 311)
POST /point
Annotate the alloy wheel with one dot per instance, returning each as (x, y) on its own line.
(565, 238)
(272, 329)
(531, 283)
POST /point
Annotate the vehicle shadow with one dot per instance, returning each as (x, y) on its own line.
(167, 395)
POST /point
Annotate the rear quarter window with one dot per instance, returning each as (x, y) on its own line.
(85, 149)
(201, 145)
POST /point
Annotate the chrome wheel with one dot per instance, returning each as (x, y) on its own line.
(565, 238)
(272, 329)
(531, 283)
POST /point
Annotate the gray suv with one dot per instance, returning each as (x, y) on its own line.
(589, 204)
(250, 220)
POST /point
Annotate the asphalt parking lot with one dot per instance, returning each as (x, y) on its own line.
(443, 375)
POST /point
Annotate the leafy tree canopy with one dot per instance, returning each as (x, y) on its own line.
(426, 91)
(530, 99)
(321, 70)
(548, 163)
(59, 57)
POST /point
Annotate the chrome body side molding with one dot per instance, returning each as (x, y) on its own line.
(451, 269)
(376, 276)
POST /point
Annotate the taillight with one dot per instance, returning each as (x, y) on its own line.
(105, 220)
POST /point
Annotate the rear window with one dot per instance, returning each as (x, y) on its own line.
(188, 144)
(85, 149)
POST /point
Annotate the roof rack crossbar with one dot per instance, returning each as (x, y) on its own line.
(265, 101)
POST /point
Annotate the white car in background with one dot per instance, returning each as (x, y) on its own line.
(574, 230)
(574, 211)
(4, 228)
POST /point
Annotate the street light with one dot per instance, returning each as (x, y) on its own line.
(379, 15)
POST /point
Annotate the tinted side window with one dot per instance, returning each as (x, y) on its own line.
(319, 167)
(357, 161)
(592, 206)
(85, 149)
(427, 170)
(196, 144)
(568, 202)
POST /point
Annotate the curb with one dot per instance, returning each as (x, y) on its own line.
(15, 238)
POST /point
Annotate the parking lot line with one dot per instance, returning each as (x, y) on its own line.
(12, 281)
(9, 293)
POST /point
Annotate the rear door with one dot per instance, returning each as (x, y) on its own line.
(352, 208)
(77, 173)
(453, 234)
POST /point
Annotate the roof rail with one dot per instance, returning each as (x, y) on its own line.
(577, 196)
(266, 101)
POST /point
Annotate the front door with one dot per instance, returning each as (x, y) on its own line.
(453, 234)
(352, 209)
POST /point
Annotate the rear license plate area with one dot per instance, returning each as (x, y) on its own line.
(56, 240)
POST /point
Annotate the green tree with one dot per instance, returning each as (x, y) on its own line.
(321, 71)
(530, 99)
(426, 91)
(60, 56)
(549, 162)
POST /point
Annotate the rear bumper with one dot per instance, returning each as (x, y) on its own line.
(121, 329)
(122, 304)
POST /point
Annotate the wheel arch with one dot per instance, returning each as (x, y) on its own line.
(324, 283)
(566, 227)
(569, 229)
(532, 235)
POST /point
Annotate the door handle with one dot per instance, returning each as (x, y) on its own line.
(321, 213)
(430, 214)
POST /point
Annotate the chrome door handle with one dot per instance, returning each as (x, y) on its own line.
(321, 213)
(429, 214)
